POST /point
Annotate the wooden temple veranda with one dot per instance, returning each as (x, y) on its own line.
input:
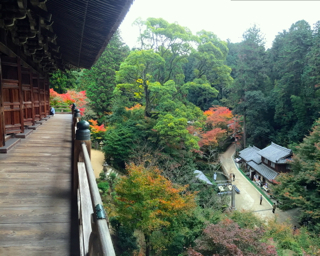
(49, 201)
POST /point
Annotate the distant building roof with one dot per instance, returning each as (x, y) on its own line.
(251, 154)
(265, 171)
(202, 177)
(276, 153)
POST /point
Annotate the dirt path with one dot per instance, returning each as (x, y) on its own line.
(97, 160)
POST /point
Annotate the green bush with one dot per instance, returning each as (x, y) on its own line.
(290, 244)
(246, 219)
(125, 241)
(104, 186)
(102, 175)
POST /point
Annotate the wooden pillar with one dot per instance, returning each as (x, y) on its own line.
(2, 130)
(27, 96)
(20, 96)
(47, 95)
(36, 96)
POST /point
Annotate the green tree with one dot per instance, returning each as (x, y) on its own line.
(62, 81)
(171, 41)
(301, 188)
(209, 65)
(99, 81)
(288, 60)
(251, 81)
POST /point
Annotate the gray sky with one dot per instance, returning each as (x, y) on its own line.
(225, 18)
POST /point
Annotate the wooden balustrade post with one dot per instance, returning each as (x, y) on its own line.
(76, 119)
(73, 107)
(82, 135)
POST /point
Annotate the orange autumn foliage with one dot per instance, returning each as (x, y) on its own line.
(220, 122)
(146, 200)
(218, 116)
(212, 137)
(95, 128)
(137, 106)
(68, 98)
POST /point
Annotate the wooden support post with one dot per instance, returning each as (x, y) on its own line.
(76, 119)
(82, 136)
(20, 96)
(73, 108)
(2, 124)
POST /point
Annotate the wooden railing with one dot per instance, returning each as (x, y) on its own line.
(62, 109)
(94, 235)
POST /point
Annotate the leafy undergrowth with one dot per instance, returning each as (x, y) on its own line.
(203, 231)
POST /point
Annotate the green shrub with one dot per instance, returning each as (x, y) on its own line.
(125, 241)
(290, 244)
(246, 219)
(102, 175)
(104, 186)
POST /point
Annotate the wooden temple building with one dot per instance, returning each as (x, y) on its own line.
(49, 201)
(38, 37)
(264, 165)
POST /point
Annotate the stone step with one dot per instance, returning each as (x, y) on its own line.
(9, 144)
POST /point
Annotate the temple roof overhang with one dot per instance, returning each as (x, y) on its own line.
(59, 34)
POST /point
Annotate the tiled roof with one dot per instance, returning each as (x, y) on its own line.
(275, 153)
(250, 154)
(264, 170)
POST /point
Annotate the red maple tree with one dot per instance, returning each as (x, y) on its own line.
(227, 238)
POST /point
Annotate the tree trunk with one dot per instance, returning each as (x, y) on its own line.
(244, 131)
(147, 109)
(147, 240)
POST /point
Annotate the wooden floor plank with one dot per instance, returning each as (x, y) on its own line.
(35, 192)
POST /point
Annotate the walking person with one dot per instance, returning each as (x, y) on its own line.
(260, 199)
(274, 207)
(234, 177)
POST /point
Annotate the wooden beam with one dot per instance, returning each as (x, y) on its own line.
(9, 48)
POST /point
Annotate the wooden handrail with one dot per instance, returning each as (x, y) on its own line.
(94, 234)
(101, 224)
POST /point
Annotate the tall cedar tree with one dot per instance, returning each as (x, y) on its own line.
(99, 81)
(301, 188)
(289, 54)
(248, 89)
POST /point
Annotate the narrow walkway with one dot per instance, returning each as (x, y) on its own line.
(249, 197)
(35, 192)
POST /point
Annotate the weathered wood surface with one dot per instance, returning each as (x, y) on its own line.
(86, 209)
(35, 192)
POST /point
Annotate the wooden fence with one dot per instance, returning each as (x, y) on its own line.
(94, 232)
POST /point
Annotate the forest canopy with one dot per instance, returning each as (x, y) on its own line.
(171, 105)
